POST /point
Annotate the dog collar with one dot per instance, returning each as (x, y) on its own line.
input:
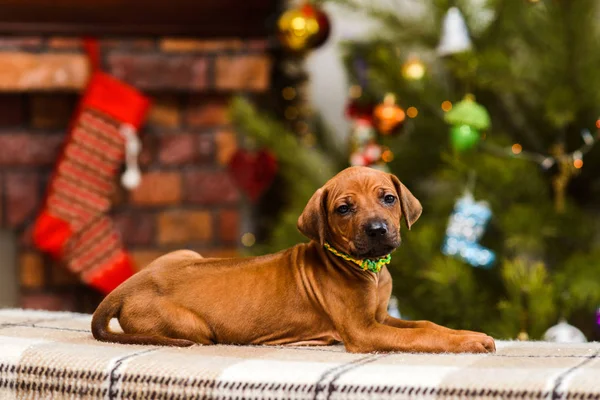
(366, 264)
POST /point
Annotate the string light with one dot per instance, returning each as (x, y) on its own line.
(412, 112)
(248, 239)
(547, 162)
(301, 127)
(288, 93)
(576, 157)
(587, 137)
(387, 156)
(446, 106)
(413, 69)
(308, 139)
(355, 91)
(291, 112)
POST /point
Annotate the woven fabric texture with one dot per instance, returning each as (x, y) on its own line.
(53, 355)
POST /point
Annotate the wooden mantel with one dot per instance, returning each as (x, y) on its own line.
(199, 18)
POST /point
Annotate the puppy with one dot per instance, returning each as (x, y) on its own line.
(334, 289)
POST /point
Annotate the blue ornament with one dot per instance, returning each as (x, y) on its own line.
(465, 228)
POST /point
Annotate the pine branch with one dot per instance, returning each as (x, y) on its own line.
(297, 162)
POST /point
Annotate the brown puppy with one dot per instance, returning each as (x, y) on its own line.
(305, 295)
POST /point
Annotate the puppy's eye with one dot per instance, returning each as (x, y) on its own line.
(389, 199)
(343, 209)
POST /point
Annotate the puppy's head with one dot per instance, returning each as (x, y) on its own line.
(358, 212)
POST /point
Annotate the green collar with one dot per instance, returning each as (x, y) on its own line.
(366, 264)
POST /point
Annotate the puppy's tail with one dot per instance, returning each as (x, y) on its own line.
(111, 308)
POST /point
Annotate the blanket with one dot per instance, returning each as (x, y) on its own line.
(53, 355)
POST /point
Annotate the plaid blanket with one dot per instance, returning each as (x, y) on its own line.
(53, 355)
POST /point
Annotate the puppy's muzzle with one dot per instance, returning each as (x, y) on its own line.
(377, 229)
(377, 239)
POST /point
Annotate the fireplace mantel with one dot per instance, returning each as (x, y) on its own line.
(212, 18)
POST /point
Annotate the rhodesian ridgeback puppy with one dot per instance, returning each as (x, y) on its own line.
(334, 289)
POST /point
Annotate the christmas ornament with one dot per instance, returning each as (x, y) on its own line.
(73, 226)
(413, 69)
(359, 110)
(304, 28)
(466, 226)
(468, 112)
(364, 149)
(464, 137)
(388, 116)
(564, 333)
(467, 119)
(253, 172)
(455, 36)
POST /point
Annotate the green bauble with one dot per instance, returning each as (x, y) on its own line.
(464, 137)
(468, 112)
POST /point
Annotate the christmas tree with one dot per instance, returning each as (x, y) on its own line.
(499, 99)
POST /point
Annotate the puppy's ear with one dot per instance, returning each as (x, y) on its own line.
(410, 206)
(313, 220)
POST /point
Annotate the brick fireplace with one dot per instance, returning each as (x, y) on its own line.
(186, 199)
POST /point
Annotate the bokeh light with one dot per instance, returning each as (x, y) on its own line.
(516, 148)
(291, 112)
(288, 93)
(248, 239)
(413, 69)
(387, 155)
(355, 91)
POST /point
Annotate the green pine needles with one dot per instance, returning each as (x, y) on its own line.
(534, 67)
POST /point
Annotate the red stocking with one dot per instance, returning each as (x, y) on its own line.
(73, 225)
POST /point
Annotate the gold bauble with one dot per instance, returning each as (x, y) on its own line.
(303, 28)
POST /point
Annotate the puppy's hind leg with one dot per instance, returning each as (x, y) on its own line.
(175, 257)
(165, 320)
(184, 255)
(112, 307)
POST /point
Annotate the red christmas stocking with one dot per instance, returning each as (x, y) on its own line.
(73, 226)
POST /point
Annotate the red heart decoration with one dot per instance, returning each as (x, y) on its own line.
(253, 172)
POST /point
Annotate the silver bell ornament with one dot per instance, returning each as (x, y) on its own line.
(455, 35)
(564, 333)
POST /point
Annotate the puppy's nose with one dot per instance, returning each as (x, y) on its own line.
(375, 229)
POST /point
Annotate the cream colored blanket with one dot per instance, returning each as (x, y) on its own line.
(53, 355)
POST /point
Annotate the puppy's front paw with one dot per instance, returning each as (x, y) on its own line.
(479, 343)
(471, 333)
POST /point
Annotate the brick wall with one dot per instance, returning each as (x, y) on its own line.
(186, 199)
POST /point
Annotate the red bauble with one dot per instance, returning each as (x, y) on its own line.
(253, 172)
(362, 111)
(323, 22)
